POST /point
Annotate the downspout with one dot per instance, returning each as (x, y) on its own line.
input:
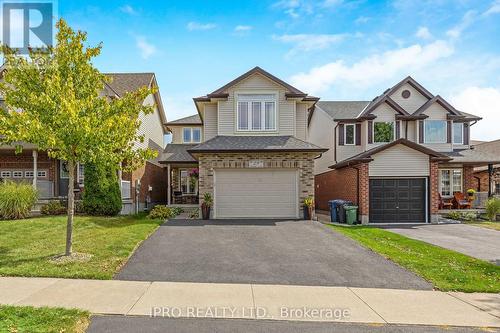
(335, 143)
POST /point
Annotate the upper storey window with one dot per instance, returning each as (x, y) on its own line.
(383, 132)
(191, 134)
(458, 133)
(256, 112)
(435, 131)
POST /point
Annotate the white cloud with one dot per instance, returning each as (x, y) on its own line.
(483, 102)
(494, 8)
(309, 42)
(191, 26)
(423, 33)
(362, 20)
(373, 69)
(466, 21)
(128, 9)
(240, 28)
(146, 49)
(295, 8)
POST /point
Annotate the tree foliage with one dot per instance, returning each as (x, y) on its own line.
(54, 99)
(101, 195)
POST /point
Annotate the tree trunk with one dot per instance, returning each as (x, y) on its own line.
(71, 207)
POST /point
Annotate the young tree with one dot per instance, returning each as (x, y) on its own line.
(54, 99)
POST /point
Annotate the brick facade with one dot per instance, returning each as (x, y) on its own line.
(469, 180)
(152, 175)
(364, 192)
(24, 162)
(434, 189)
(336, 184)
(303, 161)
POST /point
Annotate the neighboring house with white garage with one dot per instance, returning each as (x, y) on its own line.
(398, 156)
(247, 146)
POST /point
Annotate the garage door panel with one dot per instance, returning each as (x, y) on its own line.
(258, 193)
(397, 200)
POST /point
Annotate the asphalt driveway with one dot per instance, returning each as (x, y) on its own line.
(264, 252)
(471, 240)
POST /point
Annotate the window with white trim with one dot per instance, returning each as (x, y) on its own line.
(187, 184)
(41, 173)
(435, 131)
(450, 181)
(383, 131)
(81, 173)
(350, 134)
(458, 133)
(191, 135)
(5, 174)
(29, 174)
(17, 174)
(256, 112)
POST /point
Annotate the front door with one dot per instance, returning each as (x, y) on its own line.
(63, 178)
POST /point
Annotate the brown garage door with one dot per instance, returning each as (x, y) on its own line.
(398, 200)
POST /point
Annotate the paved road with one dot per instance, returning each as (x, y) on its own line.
(124, 324)
(264, 252)
(471, 240)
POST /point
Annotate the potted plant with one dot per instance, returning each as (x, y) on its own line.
(308, 208)
(206, 205)
(470, 193)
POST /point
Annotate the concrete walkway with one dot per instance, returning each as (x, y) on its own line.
(252, 301)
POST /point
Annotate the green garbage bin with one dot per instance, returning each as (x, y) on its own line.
(351, 214)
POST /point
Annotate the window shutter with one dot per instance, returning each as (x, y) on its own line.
(448, 130)
(370, 131)
(398, 129)
(358, 134)
(421, 131)
(341, 134)
(466, 133)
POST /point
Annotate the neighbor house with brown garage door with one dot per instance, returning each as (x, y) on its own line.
(399, 157)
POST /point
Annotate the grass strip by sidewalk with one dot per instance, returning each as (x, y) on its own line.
(485, 224)
(27, 246)
(27, 319)
(447, 270)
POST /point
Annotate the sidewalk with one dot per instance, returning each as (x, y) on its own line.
(275, 302)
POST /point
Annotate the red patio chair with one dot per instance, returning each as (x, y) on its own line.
(460, 201)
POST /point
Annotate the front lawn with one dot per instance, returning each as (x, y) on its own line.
(447, 270)
(26, 319)
(485, 224)
(27, 246)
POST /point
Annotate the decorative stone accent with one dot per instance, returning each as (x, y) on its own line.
(434, 190)
(303, 161)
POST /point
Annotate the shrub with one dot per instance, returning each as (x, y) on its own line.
(492, 208)
(53, 208)
(16, 200)
(101, 195)
(207, 199)
(163, 212)
(195, 214)
(462, 216)
(455, 215)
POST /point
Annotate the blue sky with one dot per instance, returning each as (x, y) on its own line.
(335, 49)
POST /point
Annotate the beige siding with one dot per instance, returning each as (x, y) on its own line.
(257, 84)
(399, 161)
(320, 133)
(151, 126)
(412, 103)
(436, 112)
(301, 121)
(209, 121)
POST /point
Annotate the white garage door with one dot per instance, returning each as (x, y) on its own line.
(263, 193)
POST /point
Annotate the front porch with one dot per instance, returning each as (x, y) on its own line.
(182, 185)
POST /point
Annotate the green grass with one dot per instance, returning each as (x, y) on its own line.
(447, 270)
(485, 224)
(25, 319)
(26, 246)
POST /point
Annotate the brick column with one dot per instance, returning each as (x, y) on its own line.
(434, 191)
(364, 193)
(469, 180)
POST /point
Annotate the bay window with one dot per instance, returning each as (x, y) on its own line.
(458, 133)
(435, 131)
(450, 181)
(256, 112)
(191, 134)
(383, 132)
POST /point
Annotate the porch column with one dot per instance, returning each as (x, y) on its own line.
(490, 173)
(169, 181)
(35, 168)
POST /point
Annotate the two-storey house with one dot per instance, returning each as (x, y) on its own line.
(145, 186)
(397, 157)
(246, 147)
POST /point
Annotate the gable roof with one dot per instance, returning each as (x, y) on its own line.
(177, 153)
(366, 156)
(342, 109)
(189, 120)
(417, 86)
(376, 102)
(126, 82)
(255, 144)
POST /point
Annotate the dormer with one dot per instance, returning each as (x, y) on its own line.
(187, 130)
